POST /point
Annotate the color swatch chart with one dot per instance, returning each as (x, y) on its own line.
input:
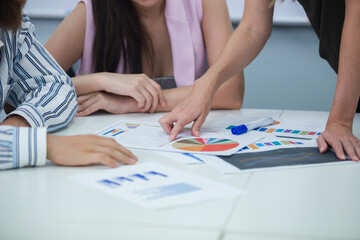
(288, 131)
(256, 146)
(271, 142)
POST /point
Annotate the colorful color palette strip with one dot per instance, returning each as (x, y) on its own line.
(256, 146)
(289, 131)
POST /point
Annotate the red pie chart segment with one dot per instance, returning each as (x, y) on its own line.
(205, 144)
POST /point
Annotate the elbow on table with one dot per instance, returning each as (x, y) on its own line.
(236, 103)
(229, 102)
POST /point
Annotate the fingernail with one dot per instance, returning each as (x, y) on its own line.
(116, 165)
(132, 160)
(343, 157)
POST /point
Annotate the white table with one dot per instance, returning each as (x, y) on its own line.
(303, 203)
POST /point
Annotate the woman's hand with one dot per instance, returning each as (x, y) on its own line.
(341, 139)
(194, 108)
(138, 86)
(84, 150)
(109, 102)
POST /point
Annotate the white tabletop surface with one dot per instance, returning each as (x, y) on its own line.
(304, 203)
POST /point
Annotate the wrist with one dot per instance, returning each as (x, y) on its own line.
(343, 118)
(207, 84)
(98, 82)
(340, 122)
(340, 115)
(49, 143)
(16, 121)
(127, 105)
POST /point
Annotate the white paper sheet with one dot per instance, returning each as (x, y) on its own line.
(184, 158)
(151, 136)
(219, 164)
(153, 185)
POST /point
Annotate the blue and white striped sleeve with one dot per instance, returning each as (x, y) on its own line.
(22, 147)
(42, 93)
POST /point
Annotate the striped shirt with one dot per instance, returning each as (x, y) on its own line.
(40, 91)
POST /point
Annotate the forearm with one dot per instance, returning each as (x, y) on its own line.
(86, 84)
(228, 96)
(243, 46)
(348, 84)
(16, 121)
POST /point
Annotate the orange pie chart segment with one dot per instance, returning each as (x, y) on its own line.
(205, 144)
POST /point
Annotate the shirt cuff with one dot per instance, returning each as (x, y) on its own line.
(30, 149)
(30, 114)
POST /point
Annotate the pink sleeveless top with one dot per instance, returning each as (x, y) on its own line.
(183, 19)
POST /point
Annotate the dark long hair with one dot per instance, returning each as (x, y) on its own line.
(11, 14)
(119, 33)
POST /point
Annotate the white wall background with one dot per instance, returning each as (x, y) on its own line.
(287, 74)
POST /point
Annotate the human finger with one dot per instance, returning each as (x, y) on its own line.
(357, 147)
(91, 108)
(84, 98)
(176, 129)
(155, 97)
(148, 99)
(195, 129)
(110, 142)
(114, 154)
(102, 158)
(140, 99)
(85, 105)
(159, 90)
(338, 149)
(322, 145)
(349, 149)
(167, 122)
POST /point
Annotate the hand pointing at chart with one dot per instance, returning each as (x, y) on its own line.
(242, 47)
(194, 108)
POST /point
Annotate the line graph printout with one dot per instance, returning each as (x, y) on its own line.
(151, 136)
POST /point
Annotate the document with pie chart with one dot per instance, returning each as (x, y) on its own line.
(151, 136)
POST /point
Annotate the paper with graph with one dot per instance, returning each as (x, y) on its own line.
(151, 136)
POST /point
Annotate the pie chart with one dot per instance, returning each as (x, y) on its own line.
(205, 144)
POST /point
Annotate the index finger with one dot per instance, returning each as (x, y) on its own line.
(176, 129)
(112, 143)
(160, 95)
(195, 129)
(167, 122)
